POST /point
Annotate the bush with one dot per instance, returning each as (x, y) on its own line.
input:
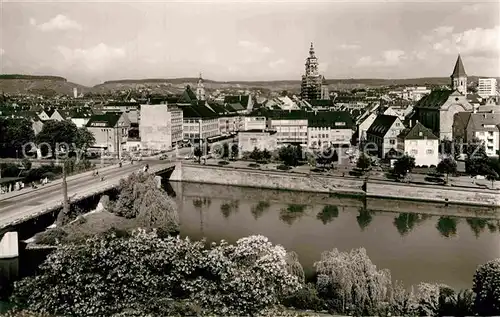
(282, 167)
(50, 237)
(108, 275)
(306, 298)
(486, 286)
(223, 163)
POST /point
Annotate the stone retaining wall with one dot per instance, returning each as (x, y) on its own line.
(266, 179)
(468, 196)
(223, 175)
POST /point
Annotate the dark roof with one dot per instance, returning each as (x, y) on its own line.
(418, 132)
(107, 120)
(484, 121)
(122, 104)
(241, 99)
(329, 119)
(197, 110)
(320, 102)
(235, 106)
(459, 70)
(434, 100)
(271, 132)
(188, 96)
(49, 111)
(473, 98)
(381, 125)
(461, 120)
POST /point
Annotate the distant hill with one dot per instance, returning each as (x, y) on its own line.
(43, 85)
(53, 85)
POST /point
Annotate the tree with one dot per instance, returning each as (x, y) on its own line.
(54, 132)
(289, 155)
(352, 282)
(486, 286)
(327, 156)
(363, 162)
(234, 150)
(144, 274)
(84, 139)
(198, 153)
(256, 154)
(404, 165)
(26, 163)
(14, 135)
(447, 166)
(266, 155)
(140, 198)
(225, 150)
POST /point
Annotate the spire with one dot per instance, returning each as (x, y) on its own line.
(459, 70)
(311, 50)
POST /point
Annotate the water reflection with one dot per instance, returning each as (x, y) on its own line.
(447, 226)
(229, 207)
(405, 222)
(364, 218)
(259, 209)
(328, 213)
(291, 213)
(444, 247)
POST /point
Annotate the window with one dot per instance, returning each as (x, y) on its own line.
(430, 151)
(398, 124)
(392, 141)
(414, 151)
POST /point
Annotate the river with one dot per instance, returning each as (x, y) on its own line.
(417, 242)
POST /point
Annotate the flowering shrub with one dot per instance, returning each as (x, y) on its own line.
(351, 282)
(243, 279)
(486, 285)
(146, 275)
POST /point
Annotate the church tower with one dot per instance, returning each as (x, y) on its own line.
(311, 80)
(459, 77)
(200, 89)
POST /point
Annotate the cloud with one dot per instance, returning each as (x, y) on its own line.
(475, 8)
(255, 47)
(59, 22)
(438, 33)
(277, 63)
(389, 58)
(2, 51)
(478, 42)
(349, 46)
(95, 58)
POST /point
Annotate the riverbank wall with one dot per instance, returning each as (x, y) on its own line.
(319, 183)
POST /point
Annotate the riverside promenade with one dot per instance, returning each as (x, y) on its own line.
(19, 206)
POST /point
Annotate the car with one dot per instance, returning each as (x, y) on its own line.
(163, 157)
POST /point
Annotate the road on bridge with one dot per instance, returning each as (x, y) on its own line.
(30, 202)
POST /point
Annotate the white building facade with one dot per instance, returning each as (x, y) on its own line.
(487, 87)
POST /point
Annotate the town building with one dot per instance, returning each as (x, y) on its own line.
(110, 131)
(131, 109)
(291, 126)
(329, 128)
(485, 127)
(261, 139)
(312, 81)
(420, 143)
(364, 125)
(382, 136)
(161, 127)
(437, 110)
(487, 87)
(254, 123)
(199, 119)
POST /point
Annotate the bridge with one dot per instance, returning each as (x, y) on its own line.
(18, 206)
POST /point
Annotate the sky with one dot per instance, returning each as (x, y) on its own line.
(94, 41)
